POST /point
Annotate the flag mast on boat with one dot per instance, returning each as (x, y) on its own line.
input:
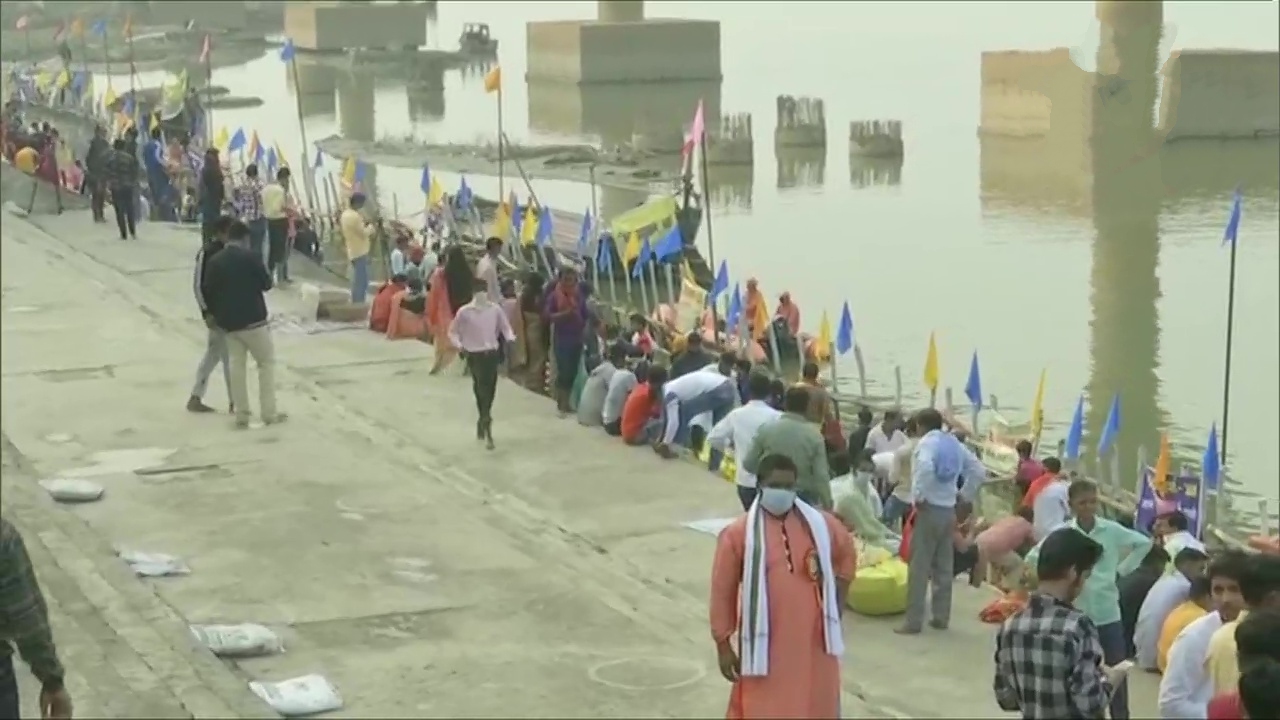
(1229, 235)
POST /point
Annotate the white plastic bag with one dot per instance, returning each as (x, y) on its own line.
(306, 695)
(238, 641)
(71, 490)
(154, 564)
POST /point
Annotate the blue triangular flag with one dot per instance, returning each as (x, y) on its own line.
(99, 28)
(129, 106)
(721, 284)
(271, 161)
(1112, 427)
(425, 181)
(604, 253)
(671, 243)
(257, 153)
(646, 253)
(287, 52)
(1233, 221)
(1075, 435)
(1211, 466)
(734, 313)
(542, 234)
(464, 194)
(359, 173)
(238, 141)
(844, 334)
(973, 386)
(584, 234)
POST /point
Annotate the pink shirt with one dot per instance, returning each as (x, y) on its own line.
(477, 328)
(1029, 470)
(1004, 536)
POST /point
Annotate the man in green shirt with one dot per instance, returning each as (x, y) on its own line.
(794, 436)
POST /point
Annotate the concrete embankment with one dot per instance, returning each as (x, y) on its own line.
(420, 574)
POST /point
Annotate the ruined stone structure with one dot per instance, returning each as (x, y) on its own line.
(1222, 94)
(333, 25)
(733, 143)
(876, 138)
(802, 123)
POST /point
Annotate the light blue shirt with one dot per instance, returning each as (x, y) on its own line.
(938, 463)
(1122, 552)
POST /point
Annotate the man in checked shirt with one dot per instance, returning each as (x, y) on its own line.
(24, 623)
(1048, 661)
(247, 198)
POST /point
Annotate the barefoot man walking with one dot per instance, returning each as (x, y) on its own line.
(778, 587)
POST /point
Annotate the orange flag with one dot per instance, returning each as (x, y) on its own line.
(128, 26)
(493, 80)
(1160, 474)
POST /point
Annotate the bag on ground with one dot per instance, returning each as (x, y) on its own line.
(238, 641)
(880, 590)
(306, 695)
(154, 564)
(71, 490)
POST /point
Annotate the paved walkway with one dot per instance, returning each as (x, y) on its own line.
(423, 576)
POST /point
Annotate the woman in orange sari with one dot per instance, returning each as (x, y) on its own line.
(532, 334)
(450, 289)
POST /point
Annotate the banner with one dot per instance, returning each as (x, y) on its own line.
(692, 303)
(1183, 495)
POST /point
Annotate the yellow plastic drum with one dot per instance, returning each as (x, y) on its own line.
(880, 590)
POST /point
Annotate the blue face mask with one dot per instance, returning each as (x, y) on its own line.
(777, 501)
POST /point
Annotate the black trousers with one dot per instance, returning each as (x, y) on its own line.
(484, 380)
(97, 198)
(126, 206)
(277, 246)
(8, 690)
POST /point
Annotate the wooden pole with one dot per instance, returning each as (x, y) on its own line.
(711, 242)
(308, 185)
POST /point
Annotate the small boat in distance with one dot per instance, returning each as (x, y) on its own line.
(476, 41)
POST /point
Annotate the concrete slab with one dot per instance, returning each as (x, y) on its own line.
(421, 574)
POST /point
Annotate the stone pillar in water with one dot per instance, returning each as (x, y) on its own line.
(1127, 189)
(733, 142)
(802, 123)
(620, 10)
(356, 118)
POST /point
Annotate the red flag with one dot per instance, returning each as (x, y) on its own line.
(204, 50)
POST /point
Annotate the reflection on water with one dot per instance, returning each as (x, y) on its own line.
(317, 84)
(617, 113)
(869, 172)
(731, 186)
(801, 167)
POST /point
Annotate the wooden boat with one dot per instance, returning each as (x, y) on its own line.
(475, 40)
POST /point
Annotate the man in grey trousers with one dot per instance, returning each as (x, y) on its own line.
(944, 470)
(215, 349)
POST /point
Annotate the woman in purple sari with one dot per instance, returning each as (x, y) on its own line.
(566, 310)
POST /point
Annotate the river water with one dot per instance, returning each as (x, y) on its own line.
(1026, 280)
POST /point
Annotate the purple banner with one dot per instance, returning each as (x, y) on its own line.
(1183, 495)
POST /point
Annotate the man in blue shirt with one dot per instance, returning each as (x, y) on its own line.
(942, 469)
(1122, 552)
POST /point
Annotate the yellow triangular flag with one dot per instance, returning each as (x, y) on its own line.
(502, 222)
(822, 346)
(435, 193)
(632, 251)
(529, 226)
(64, 78)
(222, 138)
(1037, 405)
(1164, 462)
(280, 158)
(44, 79)
(109, 98)
(493, 79)
(931, 365)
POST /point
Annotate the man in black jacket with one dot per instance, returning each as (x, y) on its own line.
(122, 177)
(96, 171)
(215, 349)
(233, 286)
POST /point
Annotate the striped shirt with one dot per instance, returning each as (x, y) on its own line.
(24, 617)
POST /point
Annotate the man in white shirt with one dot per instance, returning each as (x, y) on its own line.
(900, 470)
(620, 386)
(1168, 593)
(1175, 530)
(487, 268)
(1051, 508)
(687, 397)
(888, 435)
(1187, 688)
(737, 431)
(275, 209)
(595, 390)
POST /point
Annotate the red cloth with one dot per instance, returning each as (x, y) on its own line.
(1226, 707)
(383, 304)
(908, 527)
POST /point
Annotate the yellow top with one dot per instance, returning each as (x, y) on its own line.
(1182, 616)
(354, 234)
(26, 160)
(1220, 659)
(273, 201)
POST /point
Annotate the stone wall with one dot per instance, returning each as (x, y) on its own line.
(658, 50)
(316, 26)
(1221, 94)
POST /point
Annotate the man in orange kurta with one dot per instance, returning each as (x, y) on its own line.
(803, 678)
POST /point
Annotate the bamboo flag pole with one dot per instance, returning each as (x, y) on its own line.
(493, 84)
(206, 59)
(133, 67)
(289, 54)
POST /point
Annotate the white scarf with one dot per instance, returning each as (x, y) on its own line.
(753, 640)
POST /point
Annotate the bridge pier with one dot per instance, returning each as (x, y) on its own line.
(328, 25)
(633, 56)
